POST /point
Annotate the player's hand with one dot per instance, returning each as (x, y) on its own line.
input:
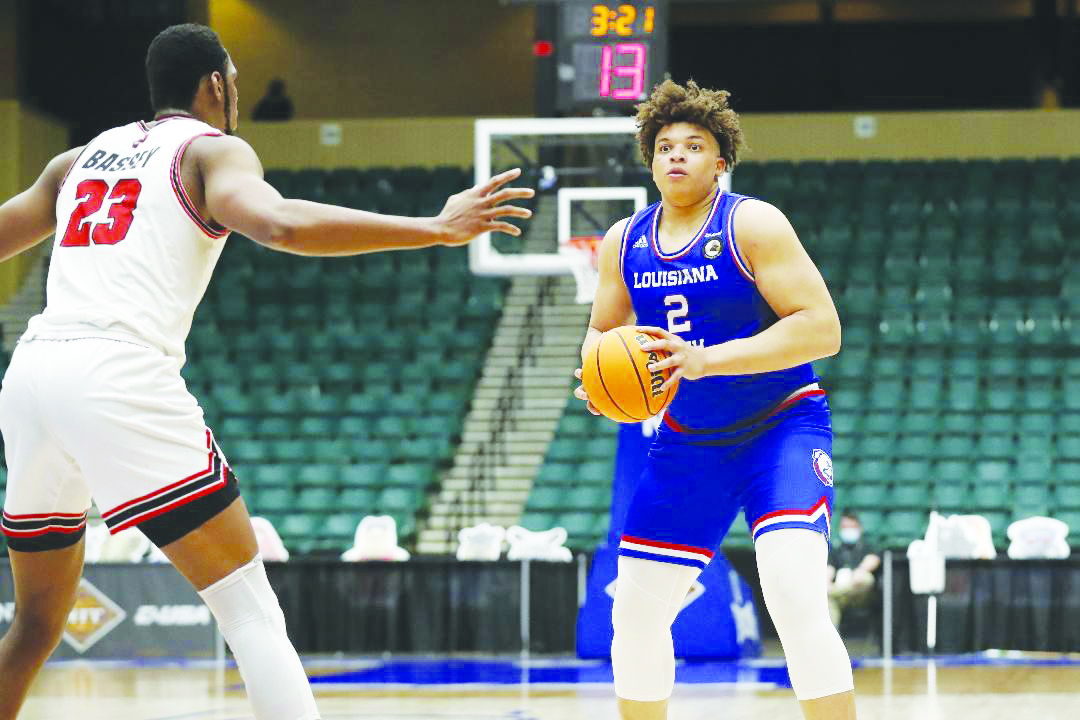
(687, 360)
(478, 209)
(580, 394)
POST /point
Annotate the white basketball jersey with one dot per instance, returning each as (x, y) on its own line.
(132, 256)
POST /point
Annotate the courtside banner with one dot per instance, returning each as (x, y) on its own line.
(125, 611)
(718, 619)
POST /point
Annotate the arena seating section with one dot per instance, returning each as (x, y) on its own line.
(337, 387)
(958, 386)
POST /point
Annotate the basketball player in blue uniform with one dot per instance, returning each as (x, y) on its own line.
(723, 282)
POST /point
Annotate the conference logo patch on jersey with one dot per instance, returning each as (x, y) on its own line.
(641, 243)
(823, 467)
(713, 248)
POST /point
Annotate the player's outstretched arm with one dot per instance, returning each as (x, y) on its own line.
(808, 328)
(611, 307)
(30, 217)
(238, 198)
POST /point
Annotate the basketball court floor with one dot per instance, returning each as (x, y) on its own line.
(986, 687)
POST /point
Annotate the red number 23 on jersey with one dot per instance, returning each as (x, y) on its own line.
(109, 231)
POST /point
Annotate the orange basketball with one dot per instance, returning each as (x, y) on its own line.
(617, 380)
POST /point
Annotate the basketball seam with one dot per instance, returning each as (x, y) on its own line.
(645, 395)
(600, 374)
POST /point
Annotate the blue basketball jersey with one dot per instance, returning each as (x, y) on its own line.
(705, 294)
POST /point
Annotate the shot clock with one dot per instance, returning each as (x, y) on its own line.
(609, 54)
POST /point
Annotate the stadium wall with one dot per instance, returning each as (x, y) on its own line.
(8, 57)
(815, 136)
(34, 139)
(423, 58)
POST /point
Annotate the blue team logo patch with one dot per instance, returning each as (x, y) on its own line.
(823, 467)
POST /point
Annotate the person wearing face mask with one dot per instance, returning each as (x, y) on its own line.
(851, 568)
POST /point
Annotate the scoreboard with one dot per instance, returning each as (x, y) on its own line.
(608, 55)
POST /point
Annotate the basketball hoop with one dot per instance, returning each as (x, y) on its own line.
(581, 253)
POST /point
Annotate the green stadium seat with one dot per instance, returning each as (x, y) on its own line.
(547, 498)
(996, 445)
(578, 525)
(360, 500)
(301, 525)
(556, 474)
(565, 450)
(248, 451)
(903, 526)
(273, 500)
(318, 474)
(318, 499)
(534, 520)
(951, 497)
(952, 471)
(990, 496)
(316, 427)
(368, 475)
(275, 427)
(276, 475)
(339, 526)
(400, 499)
(992, 472)
(877, 445)
(415, 475)
(1030, 499)
(596, 473)
(955, 445)
(332, 450)
(291, 451)
(912, 471)
(1034, 468)
(866, 495)
(915, 446)
(596, 498)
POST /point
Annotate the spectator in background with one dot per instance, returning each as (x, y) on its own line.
(851, 568)
(275, 105)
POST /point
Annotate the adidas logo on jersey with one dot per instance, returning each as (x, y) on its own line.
(641, 242)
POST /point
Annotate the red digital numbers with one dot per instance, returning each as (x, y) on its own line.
(81, 230)
(635, 72)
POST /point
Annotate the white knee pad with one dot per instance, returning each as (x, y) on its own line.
(251, 620)
(648, 597)
(792, 566)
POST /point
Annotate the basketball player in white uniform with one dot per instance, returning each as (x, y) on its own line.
(93, 405)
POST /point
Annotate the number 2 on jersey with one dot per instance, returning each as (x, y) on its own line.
(91, 194)
(675, 322)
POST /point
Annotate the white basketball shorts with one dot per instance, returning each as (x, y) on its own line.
(109, 420)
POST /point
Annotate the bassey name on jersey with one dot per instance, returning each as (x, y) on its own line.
(104, 160)
(668, 278)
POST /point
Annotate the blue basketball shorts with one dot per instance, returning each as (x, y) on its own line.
(778, 470)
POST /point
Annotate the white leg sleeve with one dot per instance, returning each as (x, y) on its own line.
(792, 565)
(251, 620)
(648, 597)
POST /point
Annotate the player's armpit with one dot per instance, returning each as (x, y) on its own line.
(612, 306)
(30, 217)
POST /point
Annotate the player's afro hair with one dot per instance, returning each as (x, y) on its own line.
(178, 58)
(671, 103)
